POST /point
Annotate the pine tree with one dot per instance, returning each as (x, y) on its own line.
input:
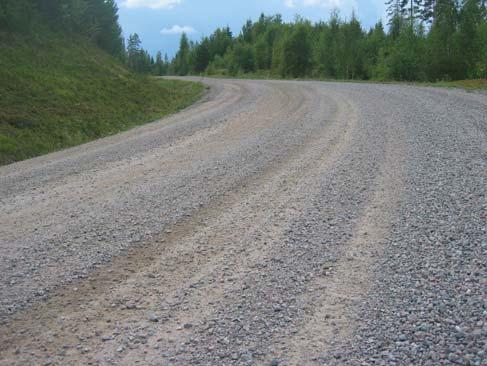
(202, 56)
(411, 10)
(109, 35)
(181, 61)
(159, 68)
(396, 17)
(133, 51)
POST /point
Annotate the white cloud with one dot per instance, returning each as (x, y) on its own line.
(177, 29)
(322, 3)
(318, 3)
(152, 4)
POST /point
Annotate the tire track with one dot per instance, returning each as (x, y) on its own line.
(332, 318)
(248, 230)
(89, 303)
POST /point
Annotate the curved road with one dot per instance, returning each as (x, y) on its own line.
(272, 223)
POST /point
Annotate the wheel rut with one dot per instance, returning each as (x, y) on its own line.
(272, 223)
(183, 265)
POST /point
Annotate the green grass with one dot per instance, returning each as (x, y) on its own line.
(58, 92)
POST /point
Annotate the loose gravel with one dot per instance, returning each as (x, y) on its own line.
(428, 305)
(274, 223)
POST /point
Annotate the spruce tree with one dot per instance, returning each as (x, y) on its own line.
(181, 60)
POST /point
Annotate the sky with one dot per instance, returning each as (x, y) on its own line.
(160, 23)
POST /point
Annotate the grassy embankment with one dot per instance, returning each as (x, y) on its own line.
(57, 92)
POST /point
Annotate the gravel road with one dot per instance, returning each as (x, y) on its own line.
(272, 223)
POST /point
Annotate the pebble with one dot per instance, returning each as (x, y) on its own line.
(424, 300)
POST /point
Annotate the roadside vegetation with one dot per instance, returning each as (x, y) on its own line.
(64, 82)
(58, 92)
(475, 84)
(424, 40)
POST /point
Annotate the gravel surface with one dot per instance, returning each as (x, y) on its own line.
(273, 223)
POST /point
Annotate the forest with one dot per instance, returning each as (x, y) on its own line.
(424, 40)
(96, 20)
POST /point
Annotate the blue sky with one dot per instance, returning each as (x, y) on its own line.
(161, 22)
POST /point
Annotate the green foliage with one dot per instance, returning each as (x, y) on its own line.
(469, 37)
(18, 15)
(141, 62)
(220, 42)
(242, 58)
(380, 70)
(296, 51)
(480, 70)
(60, 90)
(352, 51)
(181, 61)
(97, 20)
(374, 53)
(139, 59)
(202, 56)
(406, 57)
(444, 59)
(426, 40)
(161, 66)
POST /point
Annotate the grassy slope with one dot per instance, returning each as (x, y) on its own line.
(58, 92)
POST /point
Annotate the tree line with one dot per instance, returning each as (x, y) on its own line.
(139, 60)
(94, 19)
(423, 40)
